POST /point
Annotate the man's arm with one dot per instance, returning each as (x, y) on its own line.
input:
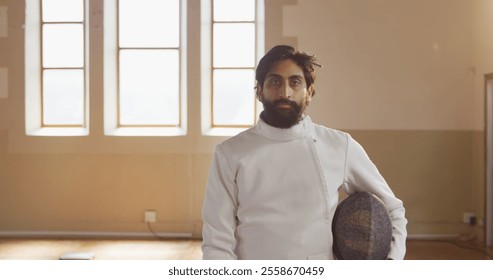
(362, 175)
(219, 211)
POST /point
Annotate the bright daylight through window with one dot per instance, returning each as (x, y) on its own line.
(56, 91)
(235, 46)
(144, 66)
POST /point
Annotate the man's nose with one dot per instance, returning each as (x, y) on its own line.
(285, 91)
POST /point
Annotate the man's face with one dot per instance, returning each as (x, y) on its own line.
(284, 94)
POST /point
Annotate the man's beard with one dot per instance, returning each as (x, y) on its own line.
(279, 117)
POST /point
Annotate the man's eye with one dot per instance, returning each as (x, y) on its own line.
(296, 83)
(275, 82)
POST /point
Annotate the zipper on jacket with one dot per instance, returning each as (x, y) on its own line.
(321, 178)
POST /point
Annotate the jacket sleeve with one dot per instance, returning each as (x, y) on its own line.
(362, 175)
(219, 211)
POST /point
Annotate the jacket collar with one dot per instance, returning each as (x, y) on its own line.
(301, 129)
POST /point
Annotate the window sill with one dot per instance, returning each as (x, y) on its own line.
(58, 131)
(146, 131)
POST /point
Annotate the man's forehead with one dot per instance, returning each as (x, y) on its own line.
(285, 68)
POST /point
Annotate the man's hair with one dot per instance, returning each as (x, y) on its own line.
(282, 52)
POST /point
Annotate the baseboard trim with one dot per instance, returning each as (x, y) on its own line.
(92, 234)
(432, 236)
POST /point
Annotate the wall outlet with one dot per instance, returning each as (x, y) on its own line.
(469, 218)
(150, 216)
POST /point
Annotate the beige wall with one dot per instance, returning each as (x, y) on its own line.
(433, 172)
(389, 64)
(403, 77)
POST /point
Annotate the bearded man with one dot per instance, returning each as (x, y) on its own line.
(273, 189)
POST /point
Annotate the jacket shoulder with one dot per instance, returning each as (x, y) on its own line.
(331, 134)
(239, 141)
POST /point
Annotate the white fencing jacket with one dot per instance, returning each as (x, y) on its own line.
(272, 193)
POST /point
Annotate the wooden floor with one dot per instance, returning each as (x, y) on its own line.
(44, 249)
(447, 250)
(22, 249)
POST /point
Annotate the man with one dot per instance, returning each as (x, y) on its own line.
(273, 189)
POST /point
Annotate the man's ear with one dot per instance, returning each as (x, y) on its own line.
(258, 92)
(310, 93)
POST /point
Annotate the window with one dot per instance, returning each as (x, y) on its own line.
(144, 53)
(144, 67)
(232, 42)
(56, 91)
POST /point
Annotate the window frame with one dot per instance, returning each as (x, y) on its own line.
(34, 71)
(209, 128)
(112, 48)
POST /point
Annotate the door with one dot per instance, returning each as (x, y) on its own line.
(489, 159)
